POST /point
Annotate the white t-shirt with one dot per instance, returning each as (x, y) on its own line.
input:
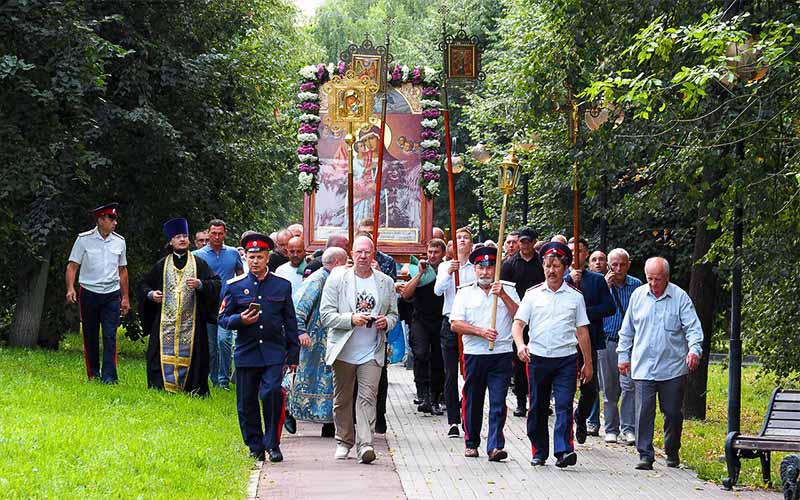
(360, 347)
(289, 272)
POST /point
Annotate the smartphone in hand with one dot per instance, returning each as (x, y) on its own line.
(254, 307)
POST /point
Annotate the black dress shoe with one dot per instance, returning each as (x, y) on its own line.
(497, 455)
(567, 459)
(275, 455)
(436, 409)
(644, 465)
(425, 407)
(673, 461)
(521, 411)
(380, 425)
(580, 429)
(290, 424)
(328, 430)
(536, 462)
(258, 455)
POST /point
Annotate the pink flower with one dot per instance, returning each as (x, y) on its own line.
(309, 106)
(429, 134)
(309, 169)
(431, 113)
(308, 86)
(430, 91)
(308, 128)
(322, 72)
(416, 75)
(430, 155)
(430, 176)
(307, 149)
(341, 68)
(397, 74)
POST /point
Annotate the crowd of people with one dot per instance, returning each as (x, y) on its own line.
(304, 336)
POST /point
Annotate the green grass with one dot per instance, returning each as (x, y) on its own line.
(62, 436)
(703, 442)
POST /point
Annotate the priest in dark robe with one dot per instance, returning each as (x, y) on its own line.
(176, 299)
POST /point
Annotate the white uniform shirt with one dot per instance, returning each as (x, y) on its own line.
(474, 306)
(553, 319)
(289, 272)
(446, 285)
(100, 260)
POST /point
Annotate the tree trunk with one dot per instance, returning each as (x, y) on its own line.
(31, 287)
(703, 291)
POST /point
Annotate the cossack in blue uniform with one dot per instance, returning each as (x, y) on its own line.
(263, 350)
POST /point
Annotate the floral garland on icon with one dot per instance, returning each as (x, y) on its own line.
(313, 77)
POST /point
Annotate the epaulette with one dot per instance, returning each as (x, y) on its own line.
(118, 235)
(465, 284)
(535, 286)
(574, 287)
(86, 233)
(509, 283)
(236, 278)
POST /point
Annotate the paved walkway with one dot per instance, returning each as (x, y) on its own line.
(422, 463)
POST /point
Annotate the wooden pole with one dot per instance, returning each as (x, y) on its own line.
(376, 209)
(349, 139)
(451, 189)
(498, 264)
(574, 124)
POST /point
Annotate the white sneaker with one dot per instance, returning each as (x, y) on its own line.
(611, 437)
(629, 438)
(342, 452)
(366, 455)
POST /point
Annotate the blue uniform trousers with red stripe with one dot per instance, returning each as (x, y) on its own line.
(100, 310)
(254, 384)
(492, 371)
(556, 376)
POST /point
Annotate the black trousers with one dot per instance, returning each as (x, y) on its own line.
(521, 375)
(428, 363)
(100, 310)
(260, 386)
(588, 392)
(449, 344)
(670, 399)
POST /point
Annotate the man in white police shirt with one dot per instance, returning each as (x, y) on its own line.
(484, 368)
(556, 315)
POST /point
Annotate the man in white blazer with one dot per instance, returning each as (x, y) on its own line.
(358, 307)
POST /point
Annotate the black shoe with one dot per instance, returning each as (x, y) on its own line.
(290, 424)
(673, 461)
(580, 428)
(436, 409)
(258, 455)
(380, 425)
(536, 462)
(567, 459)
(416, 401)
(453, 432)
(521, 411)
(328, 431)
(644, 465)
(497, 455)
(425, 407)
(275, 455)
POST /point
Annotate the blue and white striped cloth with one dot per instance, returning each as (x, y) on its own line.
(612, 324)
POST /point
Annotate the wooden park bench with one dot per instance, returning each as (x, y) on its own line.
(780, 432)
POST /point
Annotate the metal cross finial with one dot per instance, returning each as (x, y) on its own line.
(388, 21)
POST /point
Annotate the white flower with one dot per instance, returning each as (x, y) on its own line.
(429, 103)
(309, 72)
(309, 118)
(305, 180)
(429, 74)
(429, 123)
(432, 187)
(307, 158)
(307, 137)
(404, 69)
(330, 67)
(430, 167)
(430, 144)
(307, 96)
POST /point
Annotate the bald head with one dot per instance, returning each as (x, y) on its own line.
(296, 250)
(333, 257)
(295, 229)
(656, 269)
(438, 233)
(559, 238)
(363, 254)
(337, 240)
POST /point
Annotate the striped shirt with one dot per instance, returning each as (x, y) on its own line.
(612, 324)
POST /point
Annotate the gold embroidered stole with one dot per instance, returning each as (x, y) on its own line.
(178, 313)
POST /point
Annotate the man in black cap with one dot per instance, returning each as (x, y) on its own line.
(183, 286)
(556, 314)
(259, 306)
(525, 270)
(103, 294)
(470, 317)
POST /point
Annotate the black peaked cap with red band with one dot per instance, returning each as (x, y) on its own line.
(483, 256)
(558, 249)
(257, 242)
(109, 209)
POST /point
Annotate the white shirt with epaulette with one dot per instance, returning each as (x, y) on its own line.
(553, 319)
(100, 259)
(446, 285)
(474, 306)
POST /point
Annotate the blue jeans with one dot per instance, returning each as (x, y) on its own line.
(220, 354)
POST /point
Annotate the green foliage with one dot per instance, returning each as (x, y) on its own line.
(68, 438)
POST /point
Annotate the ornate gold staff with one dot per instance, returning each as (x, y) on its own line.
(350, 102)
(507, 181)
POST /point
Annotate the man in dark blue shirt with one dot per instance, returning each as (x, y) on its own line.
(259, 305)
(599, 304)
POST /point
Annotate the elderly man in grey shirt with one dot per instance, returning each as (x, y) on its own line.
(660, 342)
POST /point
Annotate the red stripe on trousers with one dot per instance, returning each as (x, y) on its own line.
(530, 408)
(283, 416)
(83, 338)
(464, 415)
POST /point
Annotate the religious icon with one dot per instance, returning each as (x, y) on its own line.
(461, 60)
(367, 65)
